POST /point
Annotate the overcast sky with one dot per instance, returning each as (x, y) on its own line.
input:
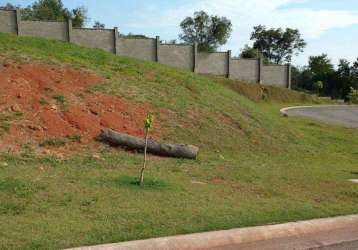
(328, 26)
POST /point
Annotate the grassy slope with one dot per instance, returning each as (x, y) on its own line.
(259, 166)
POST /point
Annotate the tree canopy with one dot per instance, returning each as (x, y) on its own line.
(51, 10)
(135, 36)
(249, 53)
(209, 32)
(99, 25)
(277, 45)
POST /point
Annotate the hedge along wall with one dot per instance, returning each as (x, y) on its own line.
(178, 55)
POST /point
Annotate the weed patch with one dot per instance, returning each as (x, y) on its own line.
(54, 142)
(134, 184)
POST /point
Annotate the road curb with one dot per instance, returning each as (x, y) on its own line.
(284, 110)
(239, 236)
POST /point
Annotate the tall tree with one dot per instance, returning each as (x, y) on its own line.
(302, 78)
(355, 69)
(323, 70)
(277, 45)
(344, 78)
(79, 16)
(320, 66)
(209, 32)
(49, 10)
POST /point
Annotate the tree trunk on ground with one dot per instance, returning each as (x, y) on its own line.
(162, 149)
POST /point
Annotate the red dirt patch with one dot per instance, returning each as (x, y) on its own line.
(217, 180)
(51, 102)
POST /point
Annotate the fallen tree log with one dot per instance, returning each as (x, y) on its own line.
(131, 142)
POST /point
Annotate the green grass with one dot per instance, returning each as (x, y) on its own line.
(6, 119)
(74, 138)
(255, 166)
(55, 142)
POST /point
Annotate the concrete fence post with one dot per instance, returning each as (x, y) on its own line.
(228, 63)
(18, 21)
(157, 48)
(69, 30)
(195, 57)
(115, 40)
(289, 75)
(260, 69)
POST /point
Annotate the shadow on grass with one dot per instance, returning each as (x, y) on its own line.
(133, 183)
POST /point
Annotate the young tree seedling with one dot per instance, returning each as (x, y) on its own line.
(148, 124)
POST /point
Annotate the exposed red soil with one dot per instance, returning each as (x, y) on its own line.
(31, 90)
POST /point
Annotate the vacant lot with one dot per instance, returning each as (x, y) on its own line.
(255, 166)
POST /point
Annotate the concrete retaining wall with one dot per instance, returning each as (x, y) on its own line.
(181, 56)
(137, 48)
(8, 21)
(51, 30)
(275, 75)
(94, 38)
(212, 63)
(245, 69)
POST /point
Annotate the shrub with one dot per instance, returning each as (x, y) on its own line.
(60, 99)
(353, 96)
(318, 86)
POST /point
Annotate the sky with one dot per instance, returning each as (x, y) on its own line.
(328, 26)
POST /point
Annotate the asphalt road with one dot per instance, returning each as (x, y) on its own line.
(339, 239)
(343, 115)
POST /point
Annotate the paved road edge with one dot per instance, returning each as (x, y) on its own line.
(236, 236)
(284, 110)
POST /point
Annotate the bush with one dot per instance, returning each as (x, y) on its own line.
(318, 86)
(353, 96)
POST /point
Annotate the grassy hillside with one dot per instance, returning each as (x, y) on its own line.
(255, 166)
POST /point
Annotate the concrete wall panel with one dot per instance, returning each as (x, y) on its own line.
(137, 48)
(7, 21)
(212, 63)
(245, 69)
(275, 75)
(181, 56)
(51, 30)
(94, 38)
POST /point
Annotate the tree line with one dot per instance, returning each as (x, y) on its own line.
(321, 77)
(274, 45)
